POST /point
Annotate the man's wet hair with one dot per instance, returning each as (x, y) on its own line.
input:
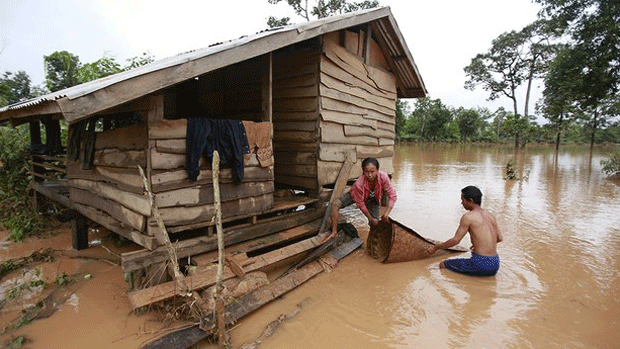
(369, 161)
(473, 194)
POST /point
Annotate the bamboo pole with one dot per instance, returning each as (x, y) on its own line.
(172, 254)
(222, 336)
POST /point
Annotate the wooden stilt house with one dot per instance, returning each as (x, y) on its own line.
(308, 95)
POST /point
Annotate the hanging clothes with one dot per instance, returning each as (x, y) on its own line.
(205, 135)
(259, 140)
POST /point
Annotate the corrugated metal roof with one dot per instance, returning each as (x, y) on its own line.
(406, 70)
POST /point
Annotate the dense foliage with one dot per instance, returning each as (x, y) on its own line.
(611, 166)
(431, 120)
(17, 212)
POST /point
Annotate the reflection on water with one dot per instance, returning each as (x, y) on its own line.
(558, 282)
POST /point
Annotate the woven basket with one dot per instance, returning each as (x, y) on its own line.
(392, 242)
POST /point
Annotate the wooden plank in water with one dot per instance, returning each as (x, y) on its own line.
(244, 248)
(206, 278)
(140, 259)
(252, 301)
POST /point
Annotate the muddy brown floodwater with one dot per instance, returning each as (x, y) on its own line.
(558, 285)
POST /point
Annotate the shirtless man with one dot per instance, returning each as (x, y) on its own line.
(484, 234)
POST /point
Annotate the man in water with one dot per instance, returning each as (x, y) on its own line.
(484, 234)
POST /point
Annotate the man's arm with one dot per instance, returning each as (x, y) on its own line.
(458, 236)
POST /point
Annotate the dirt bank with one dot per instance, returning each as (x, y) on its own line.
(83, 294)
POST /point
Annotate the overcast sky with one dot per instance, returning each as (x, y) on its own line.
(442, 35)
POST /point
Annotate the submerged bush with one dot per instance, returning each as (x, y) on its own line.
(511, 173)
(17, 211)
(611, 166)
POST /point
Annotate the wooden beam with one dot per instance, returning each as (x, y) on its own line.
(113, 225)
(135, 202)
(114, 209)
(140, 259)
(278, 206)
(265, 242)
(207, 278)
(180, 215)
(367, 44)
(203, 194)
(267, 88)
(54, 195)
(250, 302)
(178, 178)
(33, 112)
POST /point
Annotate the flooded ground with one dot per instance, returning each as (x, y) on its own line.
(557, 286)
(560, 262)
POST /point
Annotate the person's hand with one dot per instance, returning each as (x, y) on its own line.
(385, 218)
(373, 221)
(430, 249)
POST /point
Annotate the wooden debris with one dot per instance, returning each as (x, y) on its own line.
(206, 278)
(192, 335)
(235, 267)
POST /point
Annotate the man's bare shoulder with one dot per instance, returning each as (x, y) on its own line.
(487, 214)
(470, 216)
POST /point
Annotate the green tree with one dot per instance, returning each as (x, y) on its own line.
(559, 99)
(515, 57)
(593, 30)
(429, 121)
(517, 126)
(138, 61)
(320, 9)
(100, 68)
(469, 123)
(17, 87)
(402, 110)
(61, 70)
(537, 54)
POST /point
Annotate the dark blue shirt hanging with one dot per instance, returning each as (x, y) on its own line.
(227, 136)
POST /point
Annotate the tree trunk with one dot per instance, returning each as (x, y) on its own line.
(594, 127)
(527, 92)
(516, 141)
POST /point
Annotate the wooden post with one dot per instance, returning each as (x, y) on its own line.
(154, 114)
(219, 300)
(267, 88)
(341, 182)
(367, 44)
(79, 232)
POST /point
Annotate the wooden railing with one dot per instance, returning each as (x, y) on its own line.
(46, 167)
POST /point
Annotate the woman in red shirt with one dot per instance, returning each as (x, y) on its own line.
(370, 189)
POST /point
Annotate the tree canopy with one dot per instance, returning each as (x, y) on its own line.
(319, 9)
(61, 70)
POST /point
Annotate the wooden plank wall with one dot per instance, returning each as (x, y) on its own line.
(357, 107)
(113, 185)
(184, 202)
(295, 115)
